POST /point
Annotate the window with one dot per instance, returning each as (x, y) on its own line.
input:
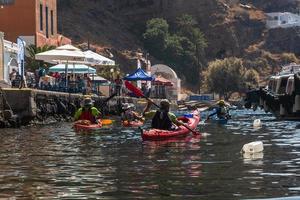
(51, 19)
(47, 21)
(41, 17)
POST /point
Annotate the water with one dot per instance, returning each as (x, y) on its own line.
(53, 162)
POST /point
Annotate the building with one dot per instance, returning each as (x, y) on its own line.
(8, 60)
(35, 21)
(282, 20)
(168, 73)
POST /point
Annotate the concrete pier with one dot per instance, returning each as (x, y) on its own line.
(31, 104)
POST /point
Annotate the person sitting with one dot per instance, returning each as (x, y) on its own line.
(162, 118)
(221, 110)
(88, 112)
(128, 115)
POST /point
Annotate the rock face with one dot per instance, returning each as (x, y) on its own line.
(283, 40)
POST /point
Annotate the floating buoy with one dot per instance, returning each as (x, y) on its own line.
(257, 123)
(253, 147)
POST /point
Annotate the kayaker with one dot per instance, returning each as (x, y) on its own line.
(88, 112)
(221, 110)
(162, 118)
(128, 113)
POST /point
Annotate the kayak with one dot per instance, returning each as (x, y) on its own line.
(157, 134)
(79, 126)
(132, 123)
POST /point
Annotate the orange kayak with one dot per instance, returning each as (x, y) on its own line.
(80, 126)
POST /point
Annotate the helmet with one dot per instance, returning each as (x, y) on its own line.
(165, 103)
(126, 106)
(221, 103)
(88, 102)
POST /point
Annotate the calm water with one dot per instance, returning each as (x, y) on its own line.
(53, 162)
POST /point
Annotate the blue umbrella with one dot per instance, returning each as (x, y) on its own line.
(76, 69)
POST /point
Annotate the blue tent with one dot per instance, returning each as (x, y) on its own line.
(139, 75)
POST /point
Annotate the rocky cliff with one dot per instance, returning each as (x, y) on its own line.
(230, 26)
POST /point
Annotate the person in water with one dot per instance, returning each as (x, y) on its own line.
(221, 110)
(88, 112)
(128, 113)
(161, 119)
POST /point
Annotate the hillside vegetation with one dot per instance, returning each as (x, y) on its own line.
(229, 28)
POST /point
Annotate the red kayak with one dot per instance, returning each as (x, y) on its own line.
(132, 123)
(81, 126)
(157, 134)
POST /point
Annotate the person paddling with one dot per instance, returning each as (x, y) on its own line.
(128, 115)
(161, 119)
(88, 112)
(221, 111)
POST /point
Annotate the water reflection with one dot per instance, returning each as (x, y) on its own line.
(53, 162)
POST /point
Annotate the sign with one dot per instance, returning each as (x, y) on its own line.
(21, 55)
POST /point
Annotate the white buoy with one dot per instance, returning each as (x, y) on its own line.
(257, 123)
(253, 147)
(253, 156)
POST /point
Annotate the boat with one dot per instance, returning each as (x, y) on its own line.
(157, 134)
(132, 123)
(84, 126)
(281, 96)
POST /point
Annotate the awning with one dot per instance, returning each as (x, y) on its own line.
(139, 74)
(73, 68)
(162, 81)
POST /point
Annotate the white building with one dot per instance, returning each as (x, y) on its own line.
(10, 59)
(170, 74)
(282, 20)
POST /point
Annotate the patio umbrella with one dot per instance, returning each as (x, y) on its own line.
(98, 59)
(75, 68)
(64, 54)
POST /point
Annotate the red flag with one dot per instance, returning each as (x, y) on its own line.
(134, 89)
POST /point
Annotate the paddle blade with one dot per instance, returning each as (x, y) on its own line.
(133, 89)
(107, 121)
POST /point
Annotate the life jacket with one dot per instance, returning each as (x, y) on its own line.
(128, 115)
(222, 112)
(163, 123)
(86, 114)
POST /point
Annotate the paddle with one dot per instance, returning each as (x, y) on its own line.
(139, 93)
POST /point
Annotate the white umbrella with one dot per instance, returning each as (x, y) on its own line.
(64, 54)
(98, 59)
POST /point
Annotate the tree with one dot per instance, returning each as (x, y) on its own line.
(225, 76)
(156, 35)
(32, 50)
(251, 78)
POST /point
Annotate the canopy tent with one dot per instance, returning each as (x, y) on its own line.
(139, 74)
(97, 59)
(75, 68)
